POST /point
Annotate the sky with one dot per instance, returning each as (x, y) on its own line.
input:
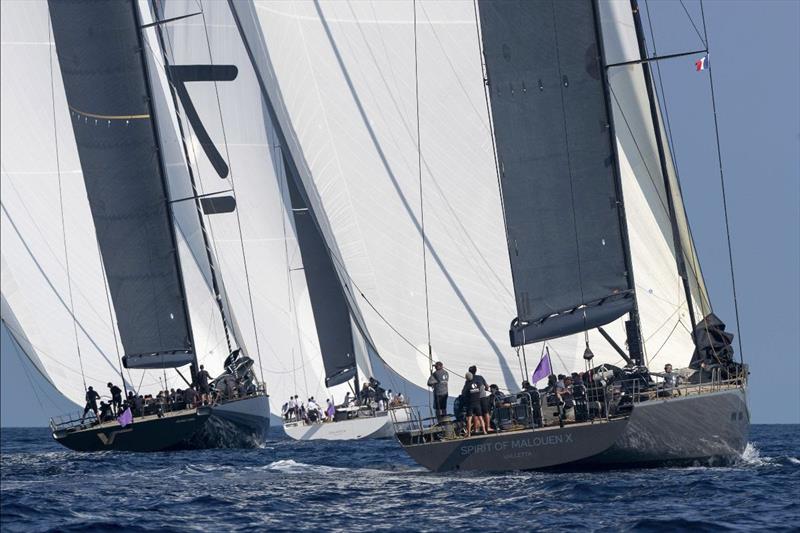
(755, 57)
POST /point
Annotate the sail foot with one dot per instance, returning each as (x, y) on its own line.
(342, 376)
(171, 359)
(575, 320)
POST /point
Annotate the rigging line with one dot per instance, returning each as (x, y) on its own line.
(639, 150)
(238, 217)
(703, 40)
(107, 291)
(285, 197)
(669, 336)
(722, 186)
(61, 208)
(421, 197)
(693, 261)
(27, 373)
(213, 267)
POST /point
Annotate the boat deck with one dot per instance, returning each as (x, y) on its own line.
(419, 430)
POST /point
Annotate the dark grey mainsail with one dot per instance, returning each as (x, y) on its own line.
(331, 313)
(556, 162)
(100, 54)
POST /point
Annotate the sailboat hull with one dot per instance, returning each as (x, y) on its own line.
(147, 435)
(368, 427)
(240, 423)
(707, 428)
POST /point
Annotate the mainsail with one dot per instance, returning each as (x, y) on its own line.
(556, 163)
(99, 47)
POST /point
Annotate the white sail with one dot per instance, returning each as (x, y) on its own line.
(255, 246)
(34, 281)
(343, 76)
(38, 146)
(666, 327)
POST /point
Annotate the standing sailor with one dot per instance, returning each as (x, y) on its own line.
(91, 402)
(116, 398)
(438, 382)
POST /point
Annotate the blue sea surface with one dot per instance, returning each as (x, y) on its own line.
(374, 485)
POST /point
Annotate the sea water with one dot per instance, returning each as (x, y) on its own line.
(374, 485)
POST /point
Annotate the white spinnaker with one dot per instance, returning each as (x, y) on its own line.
(662, 301)
(280, 323)
(34, 277)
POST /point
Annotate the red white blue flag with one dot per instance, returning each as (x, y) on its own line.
(701, 64)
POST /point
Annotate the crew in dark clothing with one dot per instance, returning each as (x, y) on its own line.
(365, 395)
(138, 404)
(190, 398)
(202, 383)
(486, 408)
(472, 390)
(105, 412)
(438, 382)
(91, 402)
(116, 398)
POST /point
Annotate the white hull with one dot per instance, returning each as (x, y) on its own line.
(365, 427)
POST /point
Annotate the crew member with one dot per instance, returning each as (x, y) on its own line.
(116, 397)
(438, 381)
(202, 383)
(91, 402)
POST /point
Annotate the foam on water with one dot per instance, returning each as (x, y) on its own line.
(375, 485)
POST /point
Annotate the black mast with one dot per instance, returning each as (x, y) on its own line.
(676, 239)
(633, 326)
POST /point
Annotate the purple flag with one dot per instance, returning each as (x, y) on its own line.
(543, 369)
(126, 418)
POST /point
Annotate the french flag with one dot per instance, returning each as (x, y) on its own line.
(701, 64)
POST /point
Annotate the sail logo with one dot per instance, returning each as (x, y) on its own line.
(108, 440)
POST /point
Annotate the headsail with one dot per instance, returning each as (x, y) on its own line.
(100, 53)
(40, 174)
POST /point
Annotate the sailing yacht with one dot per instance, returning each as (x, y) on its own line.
(471, 164)
(142, 248)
